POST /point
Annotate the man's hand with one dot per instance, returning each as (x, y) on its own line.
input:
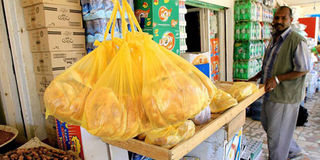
(270, 84)
(256, 77)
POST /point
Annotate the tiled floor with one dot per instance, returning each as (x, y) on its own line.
(308, 136)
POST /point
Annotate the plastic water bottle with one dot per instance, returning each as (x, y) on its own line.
(85, 6)
(89, 27)
(103, 24)
(253, 11)
(258, 31)
(108, 5)
(96, 5)
(237, 11)
(96, 26)
(259, 11)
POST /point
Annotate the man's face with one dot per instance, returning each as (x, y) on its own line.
(282, 20)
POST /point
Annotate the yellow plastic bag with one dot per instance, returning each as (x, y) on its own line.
(171, 135)
(65, 96)
(241, 90)
(171, 94)
(138, 88)
(202, 117)
(222, 101)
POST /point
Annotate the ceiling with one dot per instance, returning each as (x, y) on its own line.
(301, 3)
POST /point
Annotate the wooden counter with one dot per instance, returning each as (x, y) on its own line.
(202, 133)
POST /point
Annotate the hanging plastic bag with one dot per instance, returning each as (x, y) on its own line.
(222, 101)
(171, 135)
(139, 89)
(113, 110)
(203, 117)
(65, 96)
(241, 90)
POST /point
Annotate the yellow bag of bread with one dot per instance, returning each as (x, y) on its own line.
(170, 136)
(65, 96)
(139, 88)
(222, 101)
(241, 90)
(173, 90)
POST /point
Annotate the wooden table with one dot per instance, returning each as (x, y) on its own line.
(202, 133)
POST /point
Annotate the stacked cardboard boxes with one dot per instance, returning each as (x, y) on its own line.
(57, 40)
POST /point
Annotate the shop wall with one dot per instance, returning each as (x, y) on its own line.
(229, 41)
(304, 10)
(2, 117)
(17, 82)
(224, 3)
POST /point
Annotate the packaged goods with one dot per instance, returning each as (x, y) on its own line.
(247, 68)
(128, 86)
(56, 39)
(160, 19)
(26, 3)
(52, 15)
(171, 135)
(241, 90)
(222, 101)
(55, 62)
(43, 81)
(203, 117)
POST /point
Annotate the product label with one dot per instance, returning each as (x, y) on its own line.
(167, 40)
(164, 13)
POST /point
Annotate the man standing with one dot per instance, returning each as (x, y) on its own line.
(285, 65)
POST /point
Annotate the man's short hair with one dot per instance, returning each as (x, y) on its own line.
(290, 10)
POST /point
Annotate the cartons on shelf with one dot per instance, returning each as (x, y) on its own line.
(26, 3)
(43, 81)
(56, 39)
(52, 15)
(55, 62)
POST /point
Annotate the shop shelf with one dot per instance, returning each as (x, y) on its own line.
(202, 133)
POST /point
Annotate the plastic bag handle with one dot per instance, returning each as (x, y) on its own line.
(112, 20)
(131, 16)
(126, 8)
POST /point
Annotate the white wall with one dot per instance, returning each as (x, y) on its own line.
(308, 9)
(224, 3)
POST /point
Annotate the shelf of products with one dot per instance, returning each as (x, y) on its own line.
(252, 27)
(202, 133)
(182, 26)
(96, 15)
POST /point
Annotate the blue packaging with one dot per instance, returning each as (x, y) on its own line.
(139, 157)
(89, 27)
(96, 26)
(96, 5)
(85, 6)
(204, 68)
(103, 24)
(108, 5)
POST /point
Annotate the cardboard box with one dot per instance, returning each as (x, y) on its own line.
(199, 60)
(42, 106)
(55, 62)
(166, 37)
(52, 15)
(69, 137)
(235, 124)
(215, 59)
(43, 81)
(197, 57)
(152, 13)
(26, 3)
(56, 39)
(50, 124)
